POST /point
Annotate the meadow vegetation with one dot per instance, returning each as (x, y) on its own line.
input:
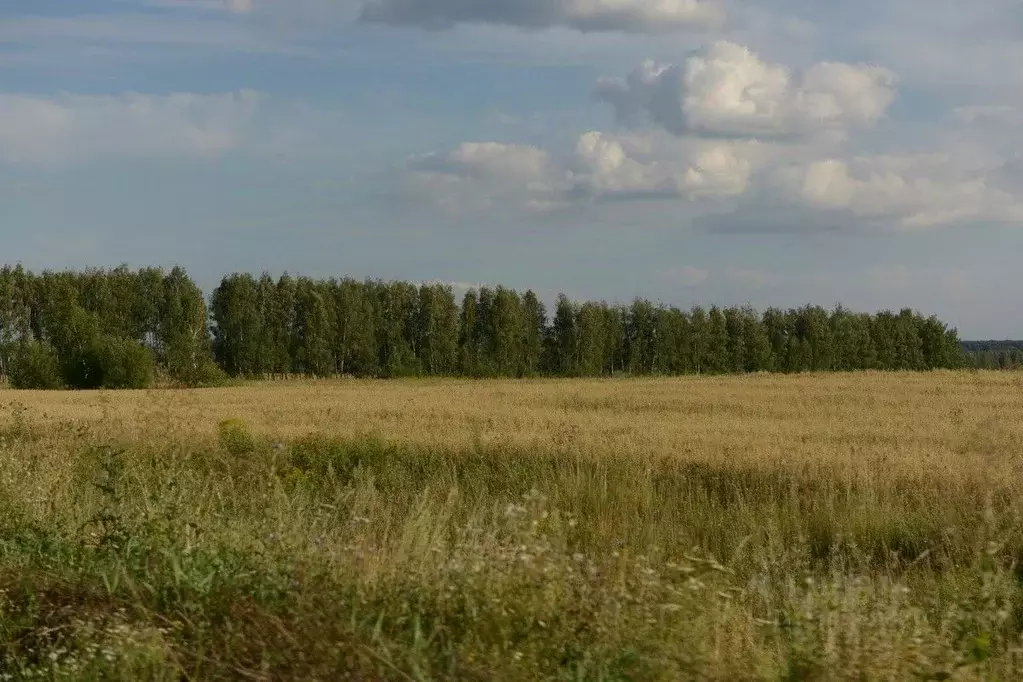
(761, 527)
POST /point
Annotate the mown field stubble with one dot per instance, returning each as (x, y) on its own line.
(739, 528)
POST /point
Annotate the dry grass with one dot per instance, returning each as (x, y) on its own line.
(956, 425)
(763, 527)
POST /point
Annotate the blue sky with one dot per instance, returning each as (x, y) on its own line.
(690, 151)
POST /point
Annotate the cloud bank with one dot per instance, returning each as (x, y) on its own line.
(727, 131)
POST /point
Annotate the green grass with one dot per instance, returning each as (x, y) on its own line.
(244, 557)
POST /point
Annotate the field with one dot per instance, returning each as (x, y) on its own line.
(847, 526)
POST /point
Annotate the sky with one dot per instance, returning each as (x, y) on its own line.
(770, 152)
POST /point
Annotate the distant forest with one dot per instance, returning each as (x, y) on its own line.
(995, 354)
(125, 328)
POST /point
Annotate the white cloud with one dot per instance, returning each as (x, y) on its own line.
(718, 171)
(914, 191)
(634, 16)
(756, 179)
(74, 128)
(745, 144)
(727, 89)
(478, 175)
(610, 165)
(604, 166)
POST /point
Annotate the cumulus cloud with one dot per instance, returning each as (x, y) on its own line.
(752, 146)
(602, 167)
(914, 191)
(783, 187)
(73, 128)
(634, 16)
(727, 89)
(610, 166)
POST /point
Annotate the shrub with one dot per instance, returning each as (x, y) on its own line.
(235, 437)
(109, 362)
(125, 364)
(208, 375)
(83, 368)
(189, 367)
(34, 365)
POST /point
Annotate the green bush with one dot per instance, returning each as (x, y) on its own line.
(109, 362)
(83, 368)
(190, 366)
(205, 374)
(35, 365)
(208, 375)
(125, 364)
(235, 437)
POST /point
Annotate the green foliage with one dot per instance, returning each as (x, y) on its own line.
(236, 437)
(34, 365)
(107, 327)
(199, 372)
(563, 345)
(337, 559)
(322, 328)
(125, 364)
(83, 368)
(108, 362)
(311, 342)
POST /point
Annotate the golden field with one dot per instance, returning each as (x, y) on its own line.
(962, 425)
(843, 526)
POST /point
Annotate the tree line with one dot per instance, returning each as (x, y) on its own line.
(325, 327)
(103, 328)
(126, 328)
(995, 354)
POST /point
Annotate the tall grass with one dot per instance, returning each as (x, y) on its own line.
(799, 528)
